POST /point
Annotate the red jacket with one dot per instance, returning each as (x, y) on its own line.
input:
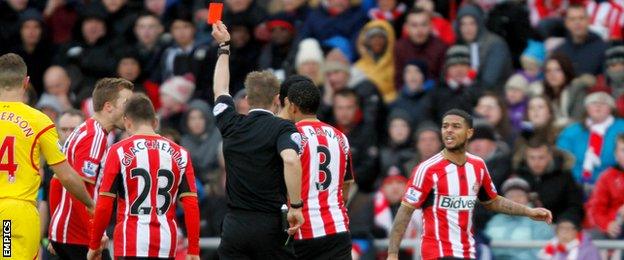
(607, 197)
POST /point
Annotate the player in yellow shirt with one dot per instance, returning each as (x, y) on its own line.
(25, 135)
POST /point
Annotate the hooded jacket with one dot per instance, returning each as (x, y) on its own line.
(494, 57)
(379, 70)
(204, 148)
(556, 188)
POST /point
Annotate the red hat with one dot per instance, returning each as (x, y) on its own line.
(280, 23)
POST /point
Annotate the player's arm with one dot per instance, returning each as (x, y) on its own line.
(222, 69)
(506, 206)
(190, 203)
(349, 178)
(108, 193)
(401, 220)
(73, 183)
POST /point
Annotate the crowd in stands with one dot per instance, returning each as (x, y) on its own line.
(545, 79)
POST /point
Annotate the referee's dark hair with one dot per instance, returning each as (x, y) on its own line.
(139, 108)
(261, 87)
(289, 82)
(306, 96)
(461, 113)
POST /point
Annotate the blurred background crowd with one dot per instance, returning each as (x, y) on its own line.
(544, 78)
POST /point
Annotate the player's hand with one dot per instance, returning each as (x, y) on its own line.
(614, 229)
(94, 254)
(192, 257)
(295, 220)
(219, 32)
(51, 249)
(393, 257)
(541, 214)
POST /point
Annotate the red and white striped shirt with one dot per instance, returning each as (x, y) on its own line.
(84, 148)
(147, 174)
(326, 165)
(448, 193)
(607, 18)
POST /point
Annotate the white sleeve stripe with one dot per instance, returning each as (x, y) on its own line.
(95, 143)
(422, 169)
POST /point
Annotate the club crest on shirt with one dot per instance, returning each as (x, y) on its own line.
(90, 168)
(476, 187)
(412, 195)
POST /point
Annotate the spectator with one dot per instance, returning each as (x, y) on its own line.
(570, 242)
(489, 54)
(516, 97)
(375, 45)
(495, 153)
(427, 141)
(391, 11)
(294, 10)
(548, 172)
(592, 141)
(614, 76)
(185, 55)
(156, 7)
(202, 139)
(458, 84)
(128, 67)
(50, 106)
(492, 108)
(606, 206)
(83, 58)
(440, 26)
(419, 43)
(558, 77)
(57, 84)
(34, 47)
(309, 60)
(399, 148)
(584, 48)
(334, 21)
(10, 12)
(539, 121)
(149, 43)
(413, 96)
(175, 92)
(532, 61)
(277, 55)
(362, 137)
(337, 77)
(60, 18)
(513, 228)
(386, 204)
(119, 17)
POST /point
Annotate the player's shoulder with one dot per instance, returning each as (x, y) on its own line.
(474, 159)
(430, 163)
(35, 117)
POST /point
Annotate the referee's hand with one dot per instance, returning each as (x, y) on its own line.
(220, 33)
(295, 220)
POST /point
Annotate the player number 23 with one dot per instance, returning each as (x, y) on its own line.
(137, 207)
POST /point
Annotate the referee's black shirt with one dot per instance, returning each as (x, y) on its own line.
(251, 149)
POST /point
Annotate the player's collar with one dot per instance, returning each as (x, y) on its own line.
(261, 110)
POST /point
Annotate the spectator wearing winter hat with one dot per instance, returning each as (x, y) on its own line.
(175, 93)
(489, 53)
(516, 97)
(34, 46)
(458, 85)
(419, 43)
(532, 61)
(398, 148)
(514, 228)
(375, 45)
(309, 60)
(592, 141)
(412, 97)
(614, 76)
(277, 56)
(495, 153)
(570, 242)
(392, 11)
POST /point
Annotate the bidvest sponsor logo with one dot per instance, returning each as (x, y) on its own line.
(457, 202)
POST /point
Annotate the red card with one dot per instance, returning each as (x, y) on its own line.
(214, 12)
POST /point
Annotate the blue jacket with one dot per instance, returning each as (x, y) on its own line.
(515, 228)
(575, 139)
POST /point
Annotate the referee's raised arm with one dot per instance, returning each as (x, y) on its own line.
(222, 69)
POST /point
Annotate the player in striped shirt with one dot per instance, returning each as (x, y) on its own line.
(447, 188)
(326, 178)
(146, 173)
(84, 149)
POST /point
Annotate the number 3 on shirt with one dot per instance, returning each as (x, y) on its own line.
(7, 157)
(325, 176)
(136, 208)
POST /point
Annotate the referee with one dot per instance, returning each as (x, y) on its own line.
(261, 163)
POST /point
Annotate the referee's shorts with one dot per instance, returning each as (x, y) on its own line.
(336, 246)
(253, 235)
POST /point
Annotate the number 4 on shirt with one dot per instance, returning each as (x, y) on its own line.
(7, 157)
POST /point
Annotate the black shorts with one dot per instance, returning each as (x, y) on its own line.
(336, 246)
(72, 251)
(253, 235)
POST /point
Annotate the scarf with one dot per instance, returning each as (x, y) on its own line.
(594, 148)
(393, 15)
(555, 248)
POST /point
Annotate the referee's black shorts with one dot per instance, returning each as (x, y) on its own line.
(253, 235)
(337, 246)
(71, 251)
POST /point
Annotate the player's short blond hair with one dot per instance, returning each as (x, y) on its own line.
(12, 71)
(107, 90)
(261, 88)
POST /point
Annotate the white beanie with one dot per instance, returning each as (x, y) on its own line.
(178, 87)
(309, 50)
